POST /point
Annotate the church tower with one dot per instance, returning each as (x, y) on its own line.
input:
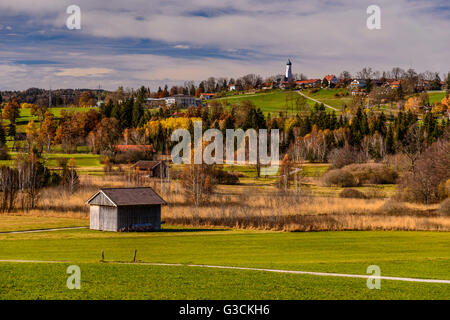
(288, 76)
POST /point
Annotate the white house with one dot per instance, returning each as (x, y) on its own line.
(181, 100)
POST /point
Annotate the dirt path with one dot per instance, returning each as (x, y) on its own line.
(42, 230)
(304, 95)
(321, 274)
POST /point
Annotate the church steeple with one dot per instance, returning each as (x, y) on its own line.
(288, 76)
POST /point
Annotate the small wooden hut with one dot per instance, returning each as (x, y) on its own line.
(151, 168)
(123, 209)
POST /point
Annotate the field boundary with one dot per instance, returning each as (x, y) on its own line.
(313, 273)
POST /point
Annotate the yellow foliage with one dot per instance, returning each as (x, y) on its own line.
(25, 105)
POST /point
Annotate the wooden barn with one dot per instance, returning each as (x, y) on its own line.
(122, 209)
(151, 168)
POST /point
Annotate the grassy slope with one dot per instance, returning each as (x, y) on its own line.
(408, 254)
(436, 96)
(328, 97)
(273, 102)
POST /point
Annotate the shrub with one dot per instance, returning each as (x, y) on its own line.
(394, 207)
(373, 173)
(340, 178)
(432, 170)
(444, 207)
(345, 156)
(224, 177)
(352, 193)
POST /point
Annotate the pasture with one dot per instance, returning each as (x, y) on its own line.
(273, 101)
(403, 254)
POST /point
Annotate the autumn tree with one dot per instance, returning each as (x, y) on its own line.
(105, 135)
(11, 112)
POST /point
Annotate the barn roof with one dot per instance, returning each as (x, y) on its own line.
(145, 164)
(130, 196)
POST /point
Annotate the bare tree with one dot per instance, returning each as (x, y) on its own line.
(414, 144)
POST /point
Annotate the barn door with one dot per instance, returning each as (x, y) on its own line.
(94, 217)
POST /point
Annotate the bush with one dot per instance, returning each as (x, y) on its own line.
(352, 193)
(372, 173)
(224, 177)
(340, 178)
(431, 171)
(444, 207)
(345, 156)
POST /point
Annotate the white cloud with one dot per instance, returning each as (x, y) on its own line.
(319, 36)
(82, 72)
(181, 46)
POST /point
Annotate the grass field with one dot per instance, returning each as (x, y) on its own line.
(328, 97)
(406, 254)
(436, 96)
(20, 223)
(86, 163)
(270, 102)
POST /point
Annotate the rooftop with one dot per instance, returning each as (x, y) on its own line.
(130, 196)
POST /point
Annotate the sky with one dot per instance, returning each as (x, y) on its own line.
(155, 42)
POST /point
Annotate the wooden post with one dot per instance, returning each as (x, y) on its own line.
(103, 256)
(134, 257)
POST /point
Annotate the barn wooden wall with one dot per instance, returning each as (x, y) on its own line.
(129, 215)
(108, 218)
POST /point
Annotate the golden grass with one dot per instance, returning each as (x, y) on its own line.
(255, 208)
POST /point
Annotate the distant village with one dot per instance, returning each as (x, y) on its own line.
(363, 83)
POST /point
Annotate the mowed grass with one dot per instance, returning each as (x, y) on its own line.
(270, 102)
(404, 254)
(436, 96)
(25, 113)
(327, 96)
(83, 161)
(20, 223)
(113, 281)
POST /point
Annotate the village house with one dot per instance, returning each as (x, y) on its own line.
(181, 101)
(311, 83)
(331, 80)
(358, 84)
(125, 209)
(207, 96)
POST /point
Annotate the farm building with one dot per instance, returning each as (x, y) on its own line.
(151, 168)
(120, 209)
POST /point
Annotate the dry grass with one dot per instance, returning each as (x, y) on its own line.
(267, 209)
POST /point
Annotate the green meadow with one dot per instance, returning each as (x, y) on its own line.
(329, 97)
(269, 102)
(403, 254)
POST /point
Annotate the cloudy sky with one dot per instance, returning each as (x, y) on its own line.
(152, 42)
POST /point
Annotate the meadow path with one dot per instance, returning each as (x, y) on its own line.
(304, 95)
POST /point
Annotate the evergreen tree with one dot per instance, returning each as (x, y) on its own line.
(390, 140)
